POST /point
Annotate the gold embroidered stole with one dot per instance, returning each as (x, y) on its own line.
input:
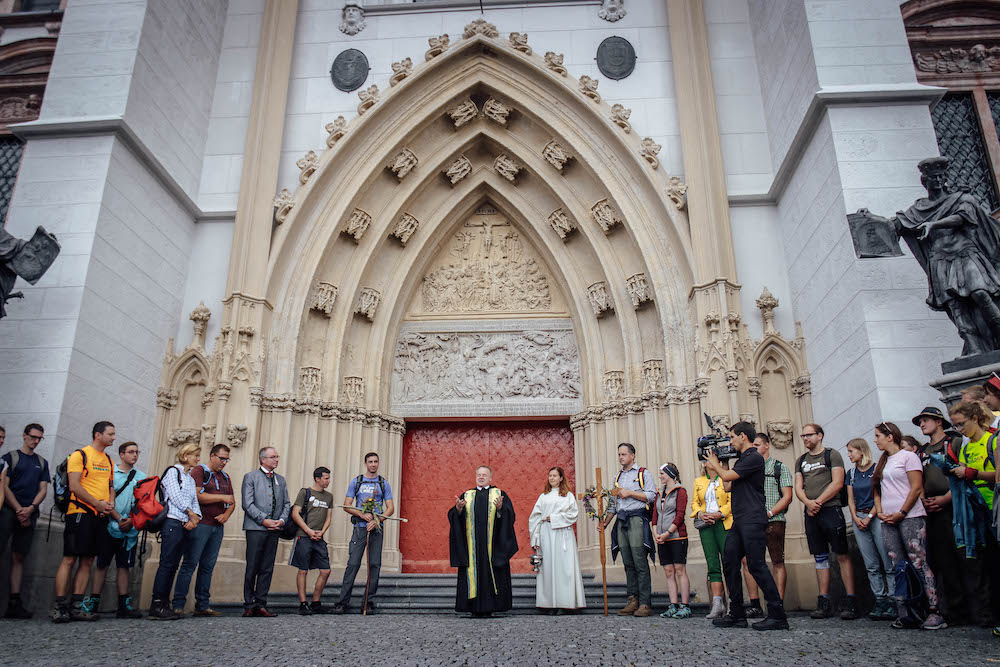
(470, 537)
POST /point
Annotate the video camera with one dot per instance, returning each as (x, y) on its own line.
(716, 442)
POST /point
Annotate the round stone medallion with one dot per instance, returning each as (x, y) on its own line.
(615, 58)
(349, 70)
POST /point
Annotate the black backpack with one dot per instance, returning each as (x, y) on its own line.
(290, 529)
(60, 483)
(913, 608)
(842, 496)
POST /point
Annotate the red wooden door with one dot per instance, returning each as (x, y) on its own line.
(439, 462)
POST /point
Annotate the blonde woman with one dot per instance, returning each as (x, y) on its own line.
(183, 514)
(711, 509)
(868, 529)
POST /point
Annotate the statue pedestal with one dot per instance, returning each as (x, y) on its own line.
(963, 372)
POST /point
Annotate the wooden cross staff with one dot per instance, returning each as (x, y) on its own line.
(381, 516)
(600, 533)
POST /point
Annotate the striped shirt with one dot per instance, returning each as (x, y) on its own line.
(772, 490)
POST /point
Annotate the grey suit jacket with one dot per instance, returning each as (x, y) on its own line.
(257, 499)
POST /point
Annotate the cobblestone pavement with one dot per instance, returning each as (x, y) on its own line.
(453, 640)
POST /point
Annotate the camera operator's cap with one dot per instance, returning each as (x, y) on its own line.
(994, 381)
(931, 411)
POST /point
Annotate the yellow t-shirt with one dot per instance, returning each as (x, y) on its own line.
(96, 481)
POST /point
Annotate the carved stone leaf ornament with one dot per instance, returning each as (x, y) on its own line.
(650, 149)
(556, 155)
(780, 431)
(506, 167)
(369, 98)
(403, 163)
(588, 87)
(561, 223)
(236, 435)
(652, 375)
(676, 189)
(519, 42)
(458, 169)
(605, 215)
(309, 381)
(336, 130)
(554, 61)
(324, 297)
(182, 436)
(614, 385)
(620, 115)
(354, 389)
(400, 71)
(307, 166)
(767, 303)
(367, 304)
(463, 113)
(358, 224)
(405, 227)
(480, 27)
(496, 111)
(639, 290)
(438, 46)
(600, 300)
(283, 204)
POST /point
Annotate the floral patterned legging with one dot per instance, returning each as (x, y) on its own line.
(908, 539)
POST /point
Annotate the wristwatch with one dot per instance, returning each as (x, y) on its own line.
(871, 515)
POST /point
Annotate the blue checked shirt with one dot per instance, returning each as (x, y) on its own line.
(180, 497)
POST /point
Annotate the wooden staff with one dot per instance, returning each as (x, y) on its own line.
(600, 532)
(381, 516)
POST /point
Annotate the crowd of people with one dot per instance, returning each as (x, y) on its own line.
(922, 513)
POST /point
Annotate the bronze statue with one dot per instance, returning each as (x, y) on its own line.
(957, 243)
(28, 259)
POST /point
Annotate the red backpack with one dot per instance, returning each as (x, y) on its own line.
(150, 510)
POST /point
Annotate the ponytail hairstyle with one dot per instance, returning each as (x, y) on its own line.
(672, 473)
(972, 410)
(892, 431)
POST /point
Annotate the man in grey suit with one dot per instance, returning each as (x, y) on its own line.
(266, 508)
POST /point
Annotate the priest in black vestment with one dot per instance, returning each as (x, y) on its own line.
(482, 542)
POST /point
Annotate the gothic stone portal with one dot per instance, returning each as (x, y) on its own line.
(439, 462)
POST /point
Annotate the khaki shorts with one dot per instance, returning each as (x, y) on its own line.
(776, 541)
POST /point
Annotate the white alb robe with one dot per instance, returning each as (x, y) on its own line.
(559, 584)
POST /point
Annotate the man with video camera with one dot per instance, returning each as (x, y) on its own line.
(747, 536)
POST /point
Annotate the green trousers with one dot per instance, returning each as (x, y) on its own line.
(713, 541)
(637, 578)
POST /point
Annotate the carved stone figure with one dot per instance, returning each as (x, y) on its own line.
(650, 149)
(337, 129)
(438, 46)
(723, 422)
(236, 435)
(588, 87)
(556, 155)
(490, 274)
(403, 163)
(353, 18)
(600, 300)
(367, 304)
(491, 367)
(307, 166)
(605, 215)
(324, 297)
(400, 71)
(480, 27)
(561, 223)
(953, 60)
(28, 259)
(612, 10)
(459, 169)
(519, 41)
(619, 116)
(801, 386)
(638, 289)
(463, 113)
(652, 375)
(405, 227)
(354, 389)
(614, 385)
(369, 98)
(506, 167)
(357, 224)
(554, 61)
(496, 111)
(780, 431)
(957, 243)
(182, 436)
(676, 189)
(283, 204)
(309, 381)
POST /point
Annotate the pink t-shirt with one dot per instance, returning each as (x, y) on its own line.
(896, 485)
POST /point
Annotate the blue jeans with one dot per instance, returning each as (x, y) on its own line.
(877, 562)
(202, 552)
(173, 542)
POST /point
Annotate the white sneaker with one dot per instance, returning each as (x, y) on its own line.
(718, 609)
(934, 622)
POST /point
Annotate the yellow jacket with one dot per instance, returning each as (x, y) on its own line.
(698, 501)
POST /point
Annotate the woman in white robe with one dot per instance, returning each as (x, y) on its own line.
(559, 584)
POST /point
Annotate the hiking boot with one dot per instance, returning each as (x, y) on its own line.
(339, 609)
(643, 611)
(161, 611)
(824, 609)
(718, 609)
(934, 622)
(15, 609)
(771, 624)
(179, 613)
(730, 621)
(753, 610)
(850, 611)
(206, 612)
(877, 609)
(126, 610)
(889, 611)
(304, 609)
(630, 606)
(317, 608)
(683, 611)
(370, 609)
(83, 610)
(671, 610)
(60, 612)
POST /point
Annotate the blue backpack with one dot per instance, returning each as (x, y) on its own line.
(910, 589)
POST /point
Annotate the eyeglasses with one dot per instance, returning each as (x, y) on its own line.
(808, 435)
(224, 459)
(36, 438)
